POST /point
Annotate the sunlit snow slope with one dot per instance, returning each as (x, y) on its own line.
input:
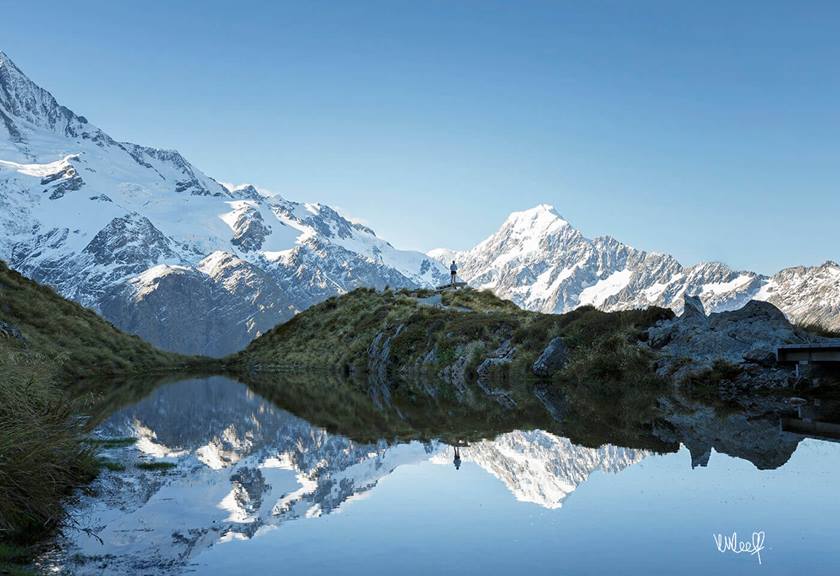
(158, 247)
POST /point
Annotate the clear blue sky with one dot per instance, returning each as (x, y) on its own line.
(710, 130)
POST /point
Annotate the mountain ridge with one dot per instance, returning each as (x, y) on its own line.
(195, 266)
(128, 230)
(551, 267)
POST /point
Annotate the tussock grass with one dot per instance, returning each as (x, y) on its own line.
(107, 443)
(337, 333)
(43, 453)
(42, 458)
(340, 332)
(13, 560)
(69, 337)
(479, 301)
(111, 465)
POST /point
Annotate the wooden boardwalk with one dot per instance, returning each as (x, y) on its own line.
(823, 353)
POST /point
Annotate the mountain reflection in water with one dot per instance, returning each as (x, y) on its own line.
(244, 467)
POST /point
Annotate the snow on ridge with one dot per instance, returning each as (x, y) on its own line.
(604, 288)
(39, 170)
(724, 287)
(145, 282)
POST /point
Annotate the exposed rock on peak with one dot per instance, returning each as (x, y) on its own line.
(249, 228)
(131, 242)
(24, 105)
(693, 309)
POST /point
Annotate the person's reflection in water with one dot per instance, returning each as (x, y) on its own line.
(457, 460)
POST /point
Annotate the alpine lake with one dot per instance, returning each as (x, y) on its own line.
(210, 475)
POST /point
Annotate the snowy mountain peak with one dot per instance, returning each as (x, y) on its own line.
(539, 261)
(523, 234)
(542, 218)
(24, 104)
(9, 68)
(34, 127)
(160, 248)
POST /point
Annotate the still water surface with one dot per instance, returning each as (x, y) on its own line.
(257, 490)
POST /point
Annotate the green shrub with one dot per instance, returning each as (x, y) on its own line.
(156, 466)
(44, 456)
(107, 443)
(111, 465)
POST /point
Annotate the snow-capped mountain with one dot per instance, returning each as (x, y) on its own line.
(539, 261)
(166, 252)
(158, 247)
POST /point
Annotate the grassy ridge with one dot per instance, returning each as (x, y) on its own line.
(47, 342)
(340, 332)
(67, 337)
(607, 389)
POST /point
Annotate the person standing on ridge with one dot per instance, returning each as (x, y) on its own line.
(453, 272)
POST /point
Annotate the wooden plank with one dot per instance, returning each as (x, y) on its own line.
(812, 428)
(810, 353)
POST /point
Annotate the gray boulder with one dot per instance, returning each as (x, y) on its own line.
(762, 356)
(493, 368)
(552, 359)
(747, 338)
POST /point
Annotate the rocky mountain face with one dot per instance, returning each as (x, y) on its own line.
(539, 261)
(158, 247)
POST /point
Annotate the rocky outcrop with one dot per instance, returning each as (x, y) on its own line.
(693, 309)
(250, 230)
(455, 373)
(494, 368)
(379, 356)
(746, 338)
(65, 180)
(11, 331)
(552, 359)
